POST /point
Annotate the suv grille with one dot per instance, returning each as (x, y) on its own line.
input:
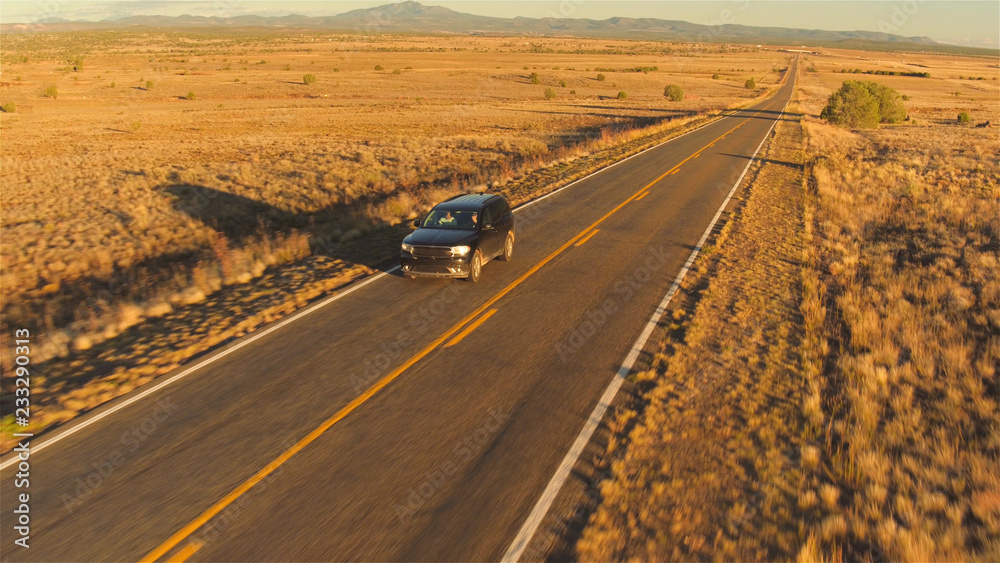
(432, 251)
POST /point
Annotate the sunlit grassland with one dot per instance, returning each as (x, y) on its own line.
(863, 425)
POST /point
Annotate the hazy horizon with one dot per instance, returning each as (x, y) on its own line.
(970, 23)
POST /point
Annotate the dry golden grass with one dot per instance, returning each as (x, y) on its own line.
(121, 195)
(864, 428)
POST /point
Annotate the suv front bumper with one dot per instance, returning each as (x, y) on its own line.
(434, 267)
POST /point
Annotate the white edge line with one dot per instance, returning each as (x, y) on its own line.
(534, 520)
(87, 421)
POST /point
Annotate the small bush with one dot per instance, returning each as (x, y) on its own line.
(112, 84)
(309, 79)
(572, 92)
(963, 117)
(864, 104)
(550, 93)
(601, 78)
(9, 107)
(534, 78)
(149, 85)
(622, 95)
(673, 93)
(190, 96)
(715, 76)
(750, 84)
(136, 125)
(905, 97)
(397, 71)
(51, 92)
(378, 67)
(562, 83)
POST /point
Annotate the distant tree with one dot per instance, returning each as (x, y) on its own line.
(534, 78)
(601, 78)
(864, 104)
(750, 84)
(397, 71)
(673, 93)
(190, 96)
(378, 67)
(149, 85)
(715, 76)
(51, 92)
(963, 117)
(622, 95)
(550, 93)
(9, 107)
(309, 79)
(562, 83)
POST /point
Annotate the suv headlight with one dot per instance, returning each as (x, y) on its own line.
(407, 247)
(460, 250)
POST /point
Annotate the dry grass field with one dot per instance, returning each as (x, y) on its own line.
(834, 395)
(174, 172)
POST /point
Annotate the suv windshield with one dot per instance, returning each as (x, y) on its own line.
(443, 219)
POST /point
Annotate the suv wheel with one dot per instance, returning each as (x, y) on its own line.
(508, 247)
(476, 267)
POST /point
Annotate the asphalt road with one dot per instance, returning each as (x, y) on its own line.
(444, 461)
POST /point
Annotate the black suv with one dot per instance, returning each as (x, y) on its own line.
(458, 236)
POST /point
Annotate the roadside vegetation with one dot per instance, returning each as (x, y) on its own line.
(831, 393)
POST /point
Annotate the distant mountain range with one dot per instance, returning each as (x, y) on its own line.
(413, 17)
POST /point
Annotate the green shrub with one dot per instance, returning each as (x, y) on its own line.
(534, 78)
(865, 104)
(673, 93)
(149, 85)
(622, 95)
(190, 96)
(51, 92)
(309, 79)
(562, 83)
(9, 107)
(963, 117)
(378, 67)
(750, 84)
(550, 93)
(397, 71)
(601, 78)
(715, 76)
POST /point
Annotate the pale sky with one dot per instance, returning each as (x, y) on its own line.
(960, 22)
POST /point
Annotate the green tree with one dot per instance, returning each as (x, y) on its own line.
(673, 93)
(534, 78)
(190, 96)
(9, 107)
(309, 79)
(715, 76)
(963, 117)
(51, 92)
(601, 78)
(864, 104)
(622, 95)
(750, 84)
(550, 93)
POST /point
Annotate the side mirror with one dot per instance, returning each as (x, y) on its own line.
(416, 222)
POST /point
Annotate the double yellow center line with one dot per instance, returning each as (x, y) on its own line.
(225, 501)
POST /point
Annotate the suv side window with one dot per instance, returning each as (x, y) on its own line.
(496, 210)
(487, 215)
